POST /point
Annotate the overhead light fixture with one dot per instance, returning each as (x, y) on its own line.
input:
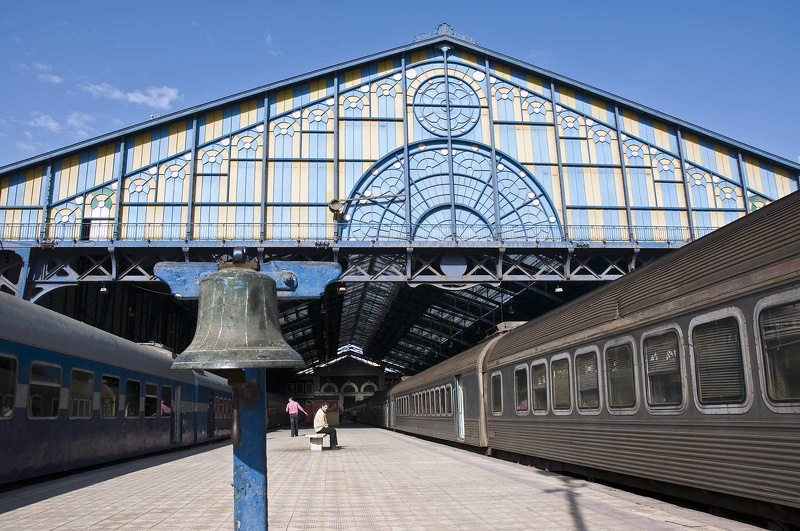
(103, 289)
(341, 290)
(559, 289)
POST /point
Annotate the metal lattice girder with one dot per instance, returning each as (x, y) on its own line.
(447, 269)
(11, 266)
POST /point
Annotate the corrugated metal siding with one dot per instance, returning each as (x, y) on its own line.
(774, 231)
(749, 459)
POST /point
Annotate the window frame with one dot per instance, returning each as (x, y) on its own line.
(523, 366)
(723, 409)
(140, 409)
(583, 351)
(119, 386)
(160, 412)
(684, 366)
(550, 378)
(778, 299)
(156, 408)
(491, 387)
(616, 342)
(448, 401)
(14, 385)
(69, 395)
(547, 408)
(60, 389)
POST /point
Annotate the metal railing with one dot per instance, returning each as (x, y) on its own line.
(102, 231)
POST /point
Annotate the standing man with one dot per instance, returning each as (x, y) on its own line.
(321, 426)
(291, 408)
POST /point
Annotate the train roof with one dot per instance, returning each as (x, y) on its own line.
(27, 323)
(466, 361)
(756, 241)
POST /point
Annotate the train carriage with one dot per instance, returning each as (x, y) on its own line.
(446, 401)
(684, 372)
(682, 377)
(72, 395)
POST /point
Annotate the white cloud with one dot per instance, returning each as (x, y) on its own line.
(50, 78)
(25, 146)
(268, 43)
(156, 97)
(79, 121)
(44, 67)
(44, 121)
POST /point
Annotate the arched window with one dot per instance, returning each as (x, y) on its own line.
(349, 387)
(329, 389)
(369, 387)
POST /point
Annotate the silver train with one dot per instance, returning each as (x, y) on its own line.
(682, 377)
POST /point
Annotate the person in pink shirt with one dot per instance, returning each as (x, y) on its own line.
(292, 408)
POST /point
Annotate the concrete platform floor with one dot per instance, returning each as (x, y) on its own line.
(380, 481)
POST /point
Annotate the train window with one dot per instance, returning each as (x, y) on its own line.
(780, 336)
(448, 400)
(719, 366)
(562, 385)
(436, 408)
(429, 394)
(150, 400)
(586, 375)
(44, 390)
(497, 394)
(109, 397)
(662, 364)
(521, 389)
(620, 374)
(539, 382)
(81, 391)
(132, 392)
(166, 401)
(8, 386)
(442, 393)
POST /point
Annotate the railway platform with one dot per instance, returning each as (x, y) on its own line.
(379, 480)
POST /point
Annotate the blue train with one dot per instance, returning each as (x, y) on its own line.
(73, 396)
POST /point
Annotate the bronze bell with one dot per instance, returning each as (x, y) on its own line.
(237, 325)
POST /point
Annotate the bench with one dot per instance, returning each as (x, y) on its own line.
(316, 440)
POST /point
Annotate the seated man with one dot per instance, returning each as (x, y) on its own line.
(321, 425)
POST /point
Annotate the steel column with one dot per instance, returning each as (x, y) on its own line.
(250, 459)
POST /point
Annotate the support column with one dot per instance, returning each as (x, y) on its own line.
(250, 456)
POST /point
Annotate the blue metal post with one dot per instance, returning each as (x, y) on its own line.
(250, 459)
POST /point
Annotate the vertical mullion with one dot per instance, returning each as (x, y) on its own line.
(264, 161)
(743, 178)
(406, 162)
(192, 180)
(685, 177)
(624, 168)
(48, 199)
(453, 232)
(558, 158)
(495, 192)
(123, 150)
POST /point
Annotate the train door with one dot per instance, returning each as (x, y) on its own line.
(210, 429)
(177, 409)
(459, 400)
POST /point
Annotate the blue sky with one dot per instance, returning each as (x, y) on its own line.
(73, 70)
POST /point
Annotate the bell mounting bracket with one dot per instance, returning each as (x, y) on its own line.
(293, 280)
